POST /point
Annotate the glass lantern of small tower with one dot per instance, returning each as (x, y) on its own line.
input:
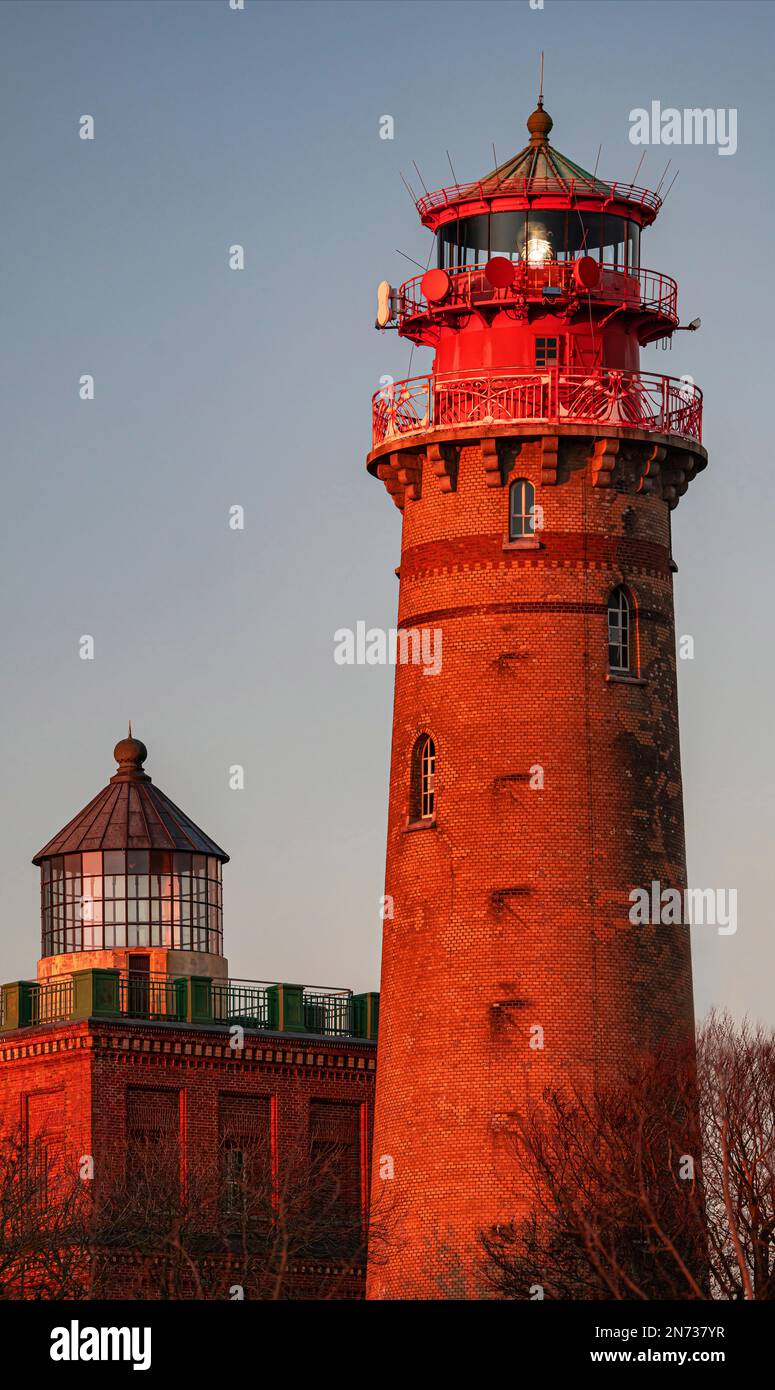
(131, 882)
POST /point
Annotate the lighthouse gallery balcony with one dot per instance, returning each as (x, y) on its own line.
(629, 287)
(522, 396)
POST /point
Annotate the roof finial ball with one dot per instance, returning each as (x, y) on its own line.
(130, 754)
(539, 124)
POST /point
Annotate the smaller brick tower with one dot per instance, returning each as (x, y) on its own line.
(132, 1036)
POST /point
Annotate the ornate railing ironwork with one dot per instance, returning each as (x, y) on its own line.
(554, 396)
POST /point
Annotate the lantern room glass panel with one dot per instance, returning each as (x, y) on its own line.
(539, 235)
(100, 901)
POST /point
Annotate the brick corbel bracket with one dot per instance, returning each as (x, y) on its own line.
(550, 446)
(628, 465)
(648, 462)
(678, 469)
(492, 454)
(656, 470)
(402, 475)
(604, 454)
(444, 459)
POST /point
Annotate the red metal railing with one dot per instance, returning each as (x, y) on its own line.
(635, 289)
(522, 187)
(520, 395)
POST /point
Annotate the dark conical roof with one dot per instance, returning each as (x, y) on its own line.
(538, 170)
(541, 165)
(130, 813)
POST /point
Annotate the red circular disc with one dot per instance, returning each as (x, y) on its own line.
(499, 273)
(586, 273)
(435, 285)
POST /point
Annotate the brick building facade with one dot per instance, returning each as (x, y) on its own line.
(128, 1047)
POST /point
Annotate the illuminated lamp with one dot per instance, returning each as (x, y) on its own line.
(538, 248)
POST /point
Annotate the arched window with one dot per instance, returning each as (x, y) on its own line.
(422, 805)
(621, 632)
(522, 496)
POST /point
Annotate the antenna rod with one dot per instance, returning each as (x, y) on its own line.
(662, 180)
(408, 188)
(420, 177)
(675, 176)
(597, 161)
(541, 81)
(410, 258)
(494, 155)
(640, 161)
(449, 157)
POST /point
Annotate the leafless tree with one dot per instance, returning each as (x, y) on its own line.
(229, 1230)
(659, 1185)
(226, 1225)
(44, 1211)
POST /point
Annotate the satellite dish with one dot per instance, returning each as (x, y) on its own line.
(384, 303)
(435, 285)
(586, 273)
(499, 272)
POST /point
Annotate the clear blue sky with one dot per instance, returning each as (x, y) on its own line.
(215, 387)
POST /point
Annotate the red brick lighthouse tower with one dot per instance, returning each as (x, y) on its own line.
(535, 778)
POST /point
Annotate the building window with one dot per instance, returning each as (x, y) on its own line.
(621, 647)
(422, 805)
(42, 1172)
(335, 1176)
(546, 352)
(246, 1156)
(153, 1129)
(522, 498)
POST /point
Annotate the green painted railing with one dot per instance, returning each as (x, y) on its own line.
(250, 1004)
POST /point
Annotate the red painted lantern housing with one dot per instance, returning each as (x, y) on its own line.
(539, 278)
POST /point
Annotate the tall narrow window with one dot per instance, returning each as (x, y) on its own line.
(153, 1147)
(428, 779)
(620, 632)
(522, 498)
(246, 1161)
(422, 799)
(335, 1175)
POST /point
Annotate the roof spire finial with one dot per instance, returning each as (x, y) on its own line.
(540, 123)
(130, 754)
